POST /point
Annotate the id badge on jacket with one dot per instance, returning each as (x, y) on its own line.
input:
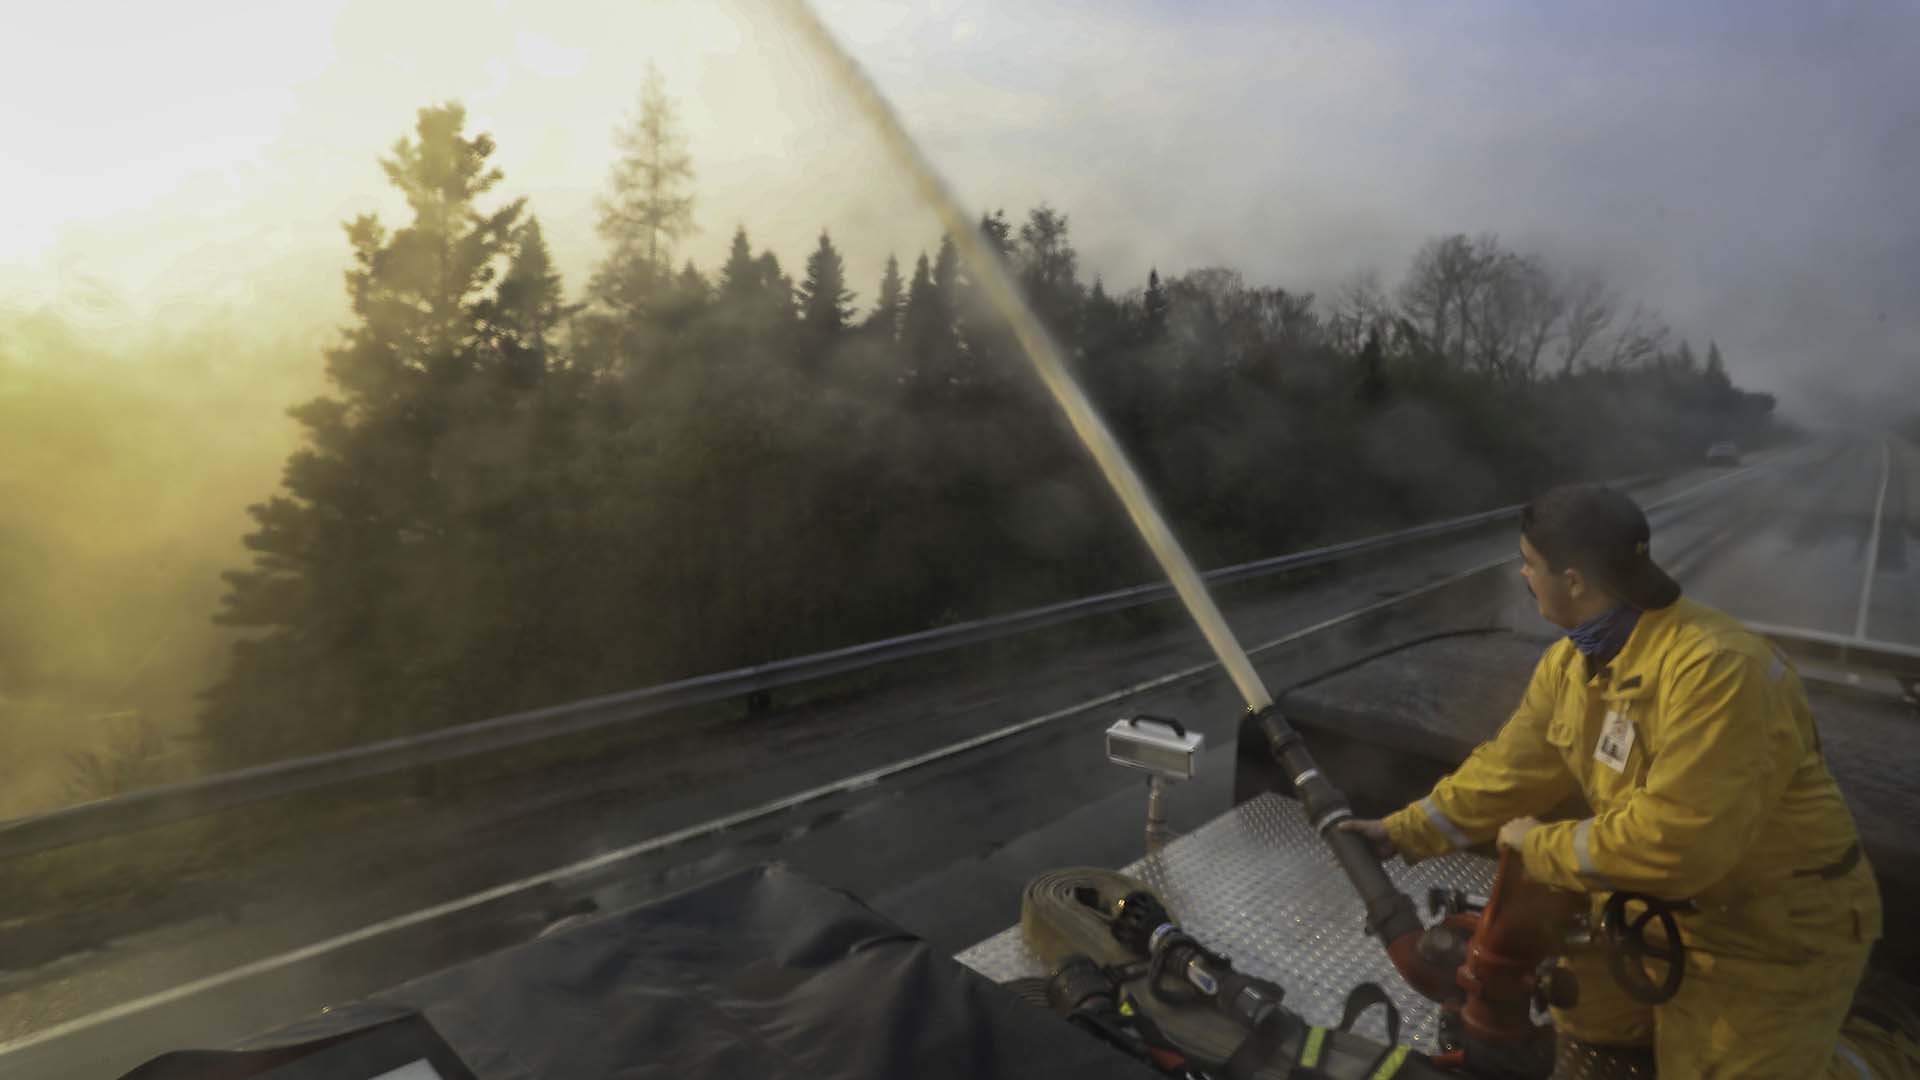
(1615, 742)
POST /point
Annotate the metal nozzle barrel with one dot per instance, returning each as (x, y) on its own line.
(1391, 914)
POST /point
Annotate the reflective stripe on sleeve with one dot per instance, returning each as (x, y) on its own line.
(1445, 824)
(1583, 854)
(1852, 1057)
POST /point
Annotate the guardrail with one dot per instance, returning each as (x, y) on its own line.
(1859, 655)
(179, 802)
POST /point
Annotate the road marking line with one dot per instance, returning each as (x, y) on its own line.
(866, 779)
(1873, 542)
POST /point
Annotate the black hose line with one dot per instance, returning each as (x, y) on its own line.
(1391, 914)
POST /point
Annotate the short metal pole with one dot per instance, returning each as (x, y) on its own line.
(1156, 813)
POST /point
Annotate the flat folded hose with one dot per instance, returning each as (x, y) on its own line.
(1056, 924)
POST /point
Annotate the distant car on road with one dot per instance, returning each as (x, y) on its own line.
(1723, 453)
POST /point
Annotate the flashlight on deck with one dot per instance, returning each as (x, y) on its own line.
(1163, 749)
(1156, 744)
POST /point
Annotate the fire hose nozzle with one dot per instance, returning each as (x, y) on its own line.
(1280, 734)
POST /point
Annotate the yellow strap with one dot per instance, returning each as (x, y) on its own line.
(1391, 1065)
(1310, 1053)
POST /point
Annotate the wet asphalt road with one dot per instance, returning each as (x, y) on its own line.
(1803, 561)
(1776, 548)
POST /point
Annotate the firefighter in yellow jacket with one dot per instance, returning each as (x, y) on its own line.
(1690, 739)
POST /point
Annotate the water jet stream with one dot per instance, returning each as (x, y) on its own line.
(1034, 340)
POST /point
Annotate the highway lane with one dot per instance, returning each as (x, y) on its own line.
(880, 841)
(1804, 562)
(1893, 611)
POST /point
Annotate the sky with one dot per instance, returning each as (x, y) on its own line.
(1748, 168)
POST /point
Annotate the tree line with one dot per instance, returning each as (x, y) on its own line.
(511, 496)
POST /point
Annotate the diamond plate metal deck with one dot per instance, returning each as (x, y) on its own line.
(1259, 886)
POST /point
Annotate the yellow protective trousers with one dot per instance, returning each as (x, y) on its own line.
(1766, 993)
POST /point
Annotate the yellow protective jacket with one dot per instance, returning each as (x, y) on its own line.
(1710, 785)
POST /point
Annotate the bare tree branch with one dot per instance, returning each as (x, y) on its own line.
(1591, 306)
(1639, 341)
(1439, 291)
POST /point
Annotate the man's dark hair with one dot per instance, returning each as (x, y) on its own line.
(1601, 533)
(1558, 523)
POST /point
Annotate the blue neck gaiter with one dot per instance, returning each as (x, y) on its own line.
(1601, 638)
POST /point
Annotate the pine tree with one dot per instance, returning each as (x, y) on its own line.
(825, 300)
(946, 276)
(530, 307)
(649, 205)
(776, 288)
(348, 584)
(1102, 324)
(692, 283)
(1685, 361)
(997, 231)
(988, 353)
(926, 335)
(739, 276)
(688, 297)
(1716, 373)
(1049, 272)
(1373, 371)
(1154, 307)
(756, 296)
(884, 320)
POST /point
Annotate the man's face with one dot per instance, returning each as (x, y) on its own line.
(1552, 591)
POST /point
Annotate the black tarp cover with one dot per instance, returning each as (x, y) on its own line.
(760, 974)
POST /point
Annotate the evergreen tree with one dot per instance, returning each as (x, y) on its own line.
(891, 303)
(755, 298)
(945, 356)
(1373, 371)
(740, 275)
(510, 643)
(987, 342)
(926, 335)
(1108, 368)
(649, 204)
(1049, 272)
(530, 307)
(1154, 307)
(688, 297)
(946, 276)
(775, 287)
(825, 300)
(997, 231)
(1103, 327)
(692, 283)
(1724, 399)
(1102, 323)
(1716, 374)
(350, 583)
